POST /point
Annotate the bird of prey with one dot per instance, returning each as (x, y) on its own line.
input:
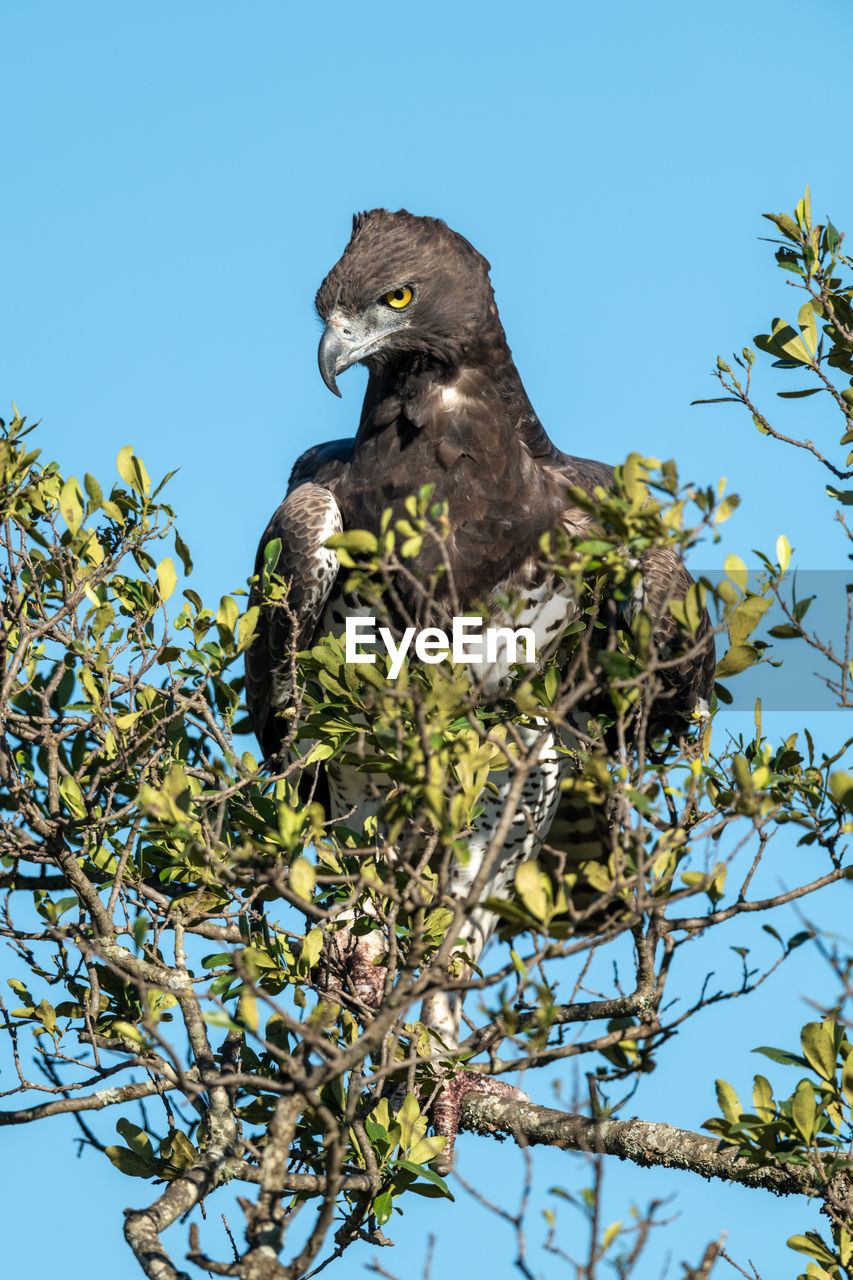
(412, 300)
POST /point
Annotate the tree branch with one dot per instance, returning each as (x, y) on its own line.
(643, 1142)
(94, 1101)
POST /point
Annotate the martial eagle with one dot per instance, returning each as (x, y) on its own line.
(412, 300)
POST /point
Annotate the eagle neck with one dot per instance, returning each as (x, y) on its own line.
(482, 385)
(469, 431)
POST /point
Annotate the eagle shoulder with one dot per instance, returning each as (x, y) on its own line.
(690, 678)
(323, 463)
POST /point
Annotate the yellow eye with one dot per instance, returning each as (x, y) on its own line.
(399, 298)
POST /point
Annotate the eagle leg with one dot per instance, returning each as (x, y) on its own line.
(349, 968)
(448, 1105)
(442, 1013)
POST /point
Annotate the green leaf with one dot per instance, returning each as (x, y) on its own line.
(69, 789)
(738, 658)
(785, 631)
(832, 237)
(728, 1101)
(844, 496)
(132, 471)
(804, 1110)
(179, 1152)
(382, 1207)
(841, 788)
(302, 878)
(137, 1139)
(312, 947)
(737, 571)
(166, 478)
(360, 541)
(129, 1031)
(437, 922)
(534, 888)
(803, 210)
(746, 617)
(62, 905)
(762, 1099)
(819, 1049)
(228, 613)
(784, 342)
(717, 400)
(71, 504)
(426, 1190)
(93, 489)
(847, 1078)
(786, 225)
(167, 578)
(220, 1018)
(248, 1010)
(272, 552)
(183, 552)
(46, 1015)
(783, 551)
(813, 1246)
(407, 1118)
(427, 1148)
(424, 1171)
(247, 627)
(808, 328)
(128, 1163)
(782, 1056)
(726, 507)
(713, 883)
(610, 1235)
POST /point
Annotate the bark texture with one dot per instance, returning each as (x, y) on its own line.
(643, 1142)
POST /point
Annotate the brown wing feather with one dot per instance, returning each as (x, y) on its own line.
(303, 522)
(665, 578)
(691, 681)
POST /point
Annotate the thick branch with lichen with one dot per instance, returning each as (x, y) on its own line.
(643, 1142)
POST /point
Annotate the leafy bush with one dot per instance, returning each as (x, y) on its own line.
(175, 902)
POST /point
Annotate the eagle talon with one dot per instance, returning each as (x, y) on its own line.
(447, 1108)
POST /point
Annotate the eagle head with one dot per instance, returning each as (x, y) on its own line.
(405, 288)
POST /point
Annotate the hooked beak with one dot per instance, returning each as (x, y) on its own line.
(343, 343)
(349, 338)
(333, 356)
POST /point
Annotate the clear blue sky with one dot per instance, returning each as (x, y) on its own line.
(178, 177)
